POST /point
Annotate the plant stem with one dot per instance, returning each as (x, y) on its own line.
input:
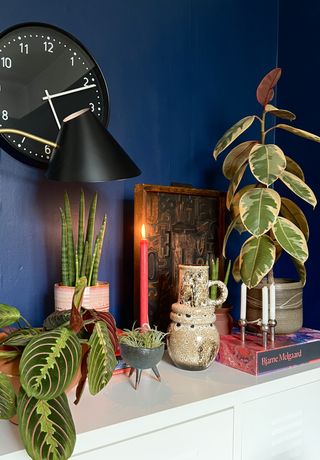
(263, 132)
(26, 322)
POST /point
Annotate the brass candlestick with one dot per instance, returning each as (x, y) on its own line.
(243, 323)
(264, 330)
(272, 325)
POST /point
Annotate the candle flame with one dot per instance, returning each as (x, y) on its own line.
(143, 232)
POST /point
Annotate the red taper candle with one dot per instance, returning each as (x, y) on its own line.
(144, 317)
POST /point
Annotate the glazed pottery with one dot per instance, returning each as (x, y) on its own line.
(224, 320)
(94, 297)
(289, 314)
(193, 340)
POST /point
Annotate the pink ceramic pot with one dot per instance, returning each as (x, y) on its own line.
(94, 297)
(224, 320)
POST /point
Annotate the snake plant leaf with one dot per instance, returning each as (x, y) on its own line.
(280, 113)
(49, 362)
(291, 239)
(8, 315)
(301, 270)
(46, 427)
(294, 168)
(267, 162)
(257, 257)
(236, 270)
(70, 240)
(21, 337)
(7, 398)
(231, 226)
(259, 209)
(236, 158)
(231, 134)
(265, 91)
(299, 132)
(299, 187)
(101, 359)
(234, 184)
(292, 212)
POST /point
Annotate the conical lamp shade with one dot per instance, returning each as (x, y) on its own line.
(88, 153)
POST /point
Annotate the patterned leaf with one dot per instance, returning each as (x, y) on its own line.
(8, 315)
(257, 257)
(299, 187)
(9, 355)
(236, 270)
(20, 337)
(49, 362)
(292, 212)
(299, 132)
(259, 208)
(265, 89)
(280, 113)
(228, 232)
(231, 134)
(101, 360)
(291, 239)
(234, 207)
(46, 427)
(301, 270)
(236, 158)
(56, 319)
(267, 162)
(294, 168)
(7, 398)
(234, 183)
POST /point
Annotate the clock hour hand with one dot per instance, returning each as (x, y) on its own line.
(48, 97)
(82, 88)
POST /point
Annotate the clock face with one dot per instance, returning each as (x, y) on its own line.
(45, 75)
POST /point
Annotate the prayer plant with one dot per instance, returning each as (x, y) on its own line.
(49, 360)
(274, 223)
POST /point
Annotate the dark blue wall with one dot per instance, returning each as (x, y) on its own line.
(179, 73)
(299, 92)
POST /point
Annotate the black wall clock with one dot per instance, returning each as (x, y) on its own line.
(45, 75)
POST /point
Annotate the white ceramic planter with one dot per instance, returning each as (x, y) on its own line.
(94, 297)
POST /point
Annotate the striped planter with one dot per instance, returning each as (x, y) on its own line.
(94, 297)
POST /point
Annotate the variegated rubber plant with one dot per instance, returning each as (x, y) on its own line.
(273, 222)
(83, 259)
(50, 358)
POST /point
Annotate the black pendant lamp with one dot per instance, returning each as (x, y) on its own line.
(87, 152)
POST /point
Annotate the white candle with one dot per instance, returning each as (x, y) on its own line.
(265, 305)
(243, 304)
(272, 301)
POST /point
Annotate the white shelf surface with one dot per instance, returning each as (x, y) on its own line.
(120, 413)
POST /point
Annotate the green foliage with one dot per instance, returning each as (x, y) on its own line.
(7, 398)
(273, 223)
(214, 276)
(8, 315)
(142, 338)
(84, 260)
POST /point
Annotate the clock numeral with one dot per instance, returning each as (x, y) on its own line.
(4, 115)
(6, 62)
(91, 106)
(47, 149)
(86, 81)
(72, 61)
(24, 48)
(48, 47)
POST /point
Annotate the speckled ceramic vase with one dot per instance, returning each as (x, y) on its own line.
(193, 340)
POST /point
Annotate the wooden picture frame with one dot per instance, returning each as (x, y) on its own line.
(183, 225)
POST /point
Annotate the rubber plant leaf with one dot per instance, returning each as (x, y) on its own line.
(291, 239)
(299, 187)
(259, 209)
(267, 162)
(236, 270)
(46, 427)
(301, 270)
(257, 257)
(234, 207)
(7, 398)
(49, 363)
(280, 113)
(265, 91)
(294, 168)
(299, 132)
(8, 315)
(101, 359)
(21, 337)
(231, 134)
(236, 158)
(234, 184)
(292, 212)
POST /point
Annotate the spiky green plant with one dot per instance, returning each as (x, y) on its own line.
(214, 276)
(142, 338)
(83, 260)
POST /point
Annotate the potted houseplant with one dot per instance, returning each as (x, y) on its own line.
(142, 348)
(81, 259)
(224, 321)
(274, 223)
(45, 362)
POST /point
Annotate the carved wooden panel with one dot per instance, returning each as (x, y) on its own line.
(183, 225)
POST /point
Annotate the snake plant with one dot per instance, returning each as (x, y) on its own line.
(274, 223)
(84, 258)
(50, 358)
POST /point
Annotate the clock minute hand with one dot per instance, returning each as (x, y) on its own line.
(52, 109)
(82, 88)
